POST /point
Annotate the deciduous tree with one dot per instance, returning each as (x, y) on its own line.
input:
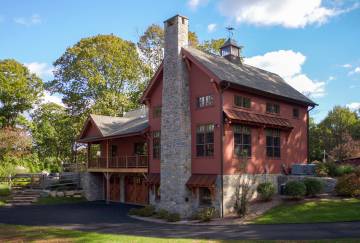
(19, 91)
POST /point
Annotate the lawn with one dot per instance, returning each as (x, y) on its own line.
(58, 200)
(16, 233)
(4, 190)
(313, 212)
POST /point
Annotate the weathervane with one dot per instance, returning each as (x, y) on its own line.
(230, 31)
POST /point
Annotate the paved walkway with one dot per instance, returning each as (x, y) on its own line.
(99, 217)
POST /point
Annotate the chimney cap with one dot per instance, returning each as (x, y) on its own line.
(176, 16)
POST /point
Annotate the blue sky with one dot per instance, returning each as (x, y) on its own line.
(313, 45)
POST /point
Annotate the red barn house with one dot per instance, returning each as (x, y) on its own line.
(201, 113)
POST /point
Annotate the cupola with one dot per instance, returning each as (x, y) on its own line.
(231, 51)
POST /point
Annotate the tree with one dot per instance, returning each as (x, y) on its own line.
(100, 74)
(19, 91)
(316, 146)
(348, 149)
(339, 122)
(93, 68)
(52, 134)
(212, 46)
(151, 46)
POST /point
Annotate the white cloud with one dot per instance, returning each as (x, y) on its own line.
(347, 65)
(34, 19)
(355, 71)
(194, 4)
(211, 28)
(288, 64)
(41, 69)
(48, 98)
(287, 13)
(355, 106)
(331, 78)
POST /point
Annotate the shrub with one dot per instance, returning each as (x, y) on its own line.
(206, 214)
(4, 190)
(173, 217)
(344, 170)
(321, 169)
(162, 214)
(146, 211)
(295, 189)
(313, 186)
(349, 185)
(266, 191)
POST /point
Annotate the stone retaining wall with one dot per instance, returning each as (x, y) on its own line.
(92, 185)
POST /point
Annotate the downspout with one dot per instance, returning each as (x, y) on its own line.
(222, 145)
(308, 136)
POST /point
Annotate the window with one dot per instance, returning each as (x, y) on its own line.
(157, 111)
(113, 150)
(140, 148)
(296, 112)
(204, 196)
(272, 108)
(156, 144)
(242, 140)
(205, 140)
(204, 101)
(242, 101)
(273, 143)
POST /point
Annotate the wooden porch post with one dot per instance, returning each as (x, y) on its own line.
(88, 154)
(107, 153)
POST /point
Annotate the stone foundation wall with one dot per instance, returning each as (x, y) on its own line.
(231, 182)
(93, 186)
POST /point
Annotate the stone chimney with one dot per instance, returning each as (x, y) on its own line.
(175, 121)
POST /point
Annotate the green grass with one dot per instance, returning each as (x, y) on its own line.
(58, 200)
(17, 233)
(313, 212)
(4, 190)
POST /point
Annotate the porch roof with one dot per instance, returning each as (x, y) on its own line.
(258, 119)
(111, 127)
(201, 180)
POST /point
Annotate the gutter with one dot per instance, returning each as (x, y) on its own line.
(308, 130)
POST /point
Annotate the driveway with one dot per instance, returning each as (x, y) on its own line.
(100, 217)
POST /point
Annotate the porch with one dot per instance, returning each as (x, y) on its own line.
(125, 164)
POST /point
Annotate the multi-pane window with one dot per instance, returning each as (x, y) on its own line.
(204, 101)
(273, 143)
(242, 141)
(296, 112)
(242, 101)
(204, 196)
(156, 144)
(205, 140)
(157, 111)
(272, 108)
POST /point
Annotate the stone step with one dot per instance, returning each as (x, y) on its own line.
(21, 204)
(24, 198)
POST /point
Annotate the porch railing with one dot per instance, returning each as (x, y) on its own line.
(134, 161)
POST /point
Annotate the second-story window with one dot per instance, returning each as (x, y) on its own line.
(157, 111)
(204, 101)
(242, 141)
(273, 143)
(273, 108)
(296, 112)
(242, 101)
(205, 140)
(156, 144)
